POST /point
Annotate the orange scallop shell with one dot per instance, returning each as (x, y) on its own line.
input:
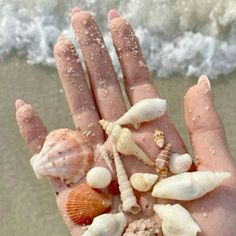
(84, 203)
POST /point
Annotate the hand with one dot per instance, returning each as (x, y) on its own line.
(215, 213)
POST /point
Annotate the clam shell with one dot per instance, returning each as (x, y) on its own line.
(142, 181)
(162, 160)
(158, 138)
(180, 163)
(107, 225)
(64, 155)
(143, 111)
(124, 142)
(176, 220)
(189, 185)
(84, 203)
(98, 177)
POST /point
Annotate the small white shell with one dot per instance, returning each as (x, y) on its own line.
(176, 220)
(189, 185)
(129, 202)
(98, 177)
(124, 141)
(180, 163)
(142, 181)
(107, 225)
(143, 111)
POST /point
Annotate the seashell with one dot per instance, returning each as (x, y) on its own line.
(64, 155)
(124, 141)
(98, 177)
(142, 227)
(105, 156)
(84, 203)
(129, 202)
(176, 220)
(189, 185)
(107, 225)
(162, 160)
(143, 111)
(180, 163)
(158, 138)
(142, 181)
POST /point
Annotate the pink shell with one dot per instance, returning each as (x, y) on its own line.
(65, 155)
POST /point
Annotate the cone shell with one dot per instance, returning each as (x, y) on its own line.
(162, 160)
(124, 142)
(64, 155)
(107, 225)
(129, 202)
(143, 111)
(176, 220)
(180, 163)
(98, 177)
(84, 203)
(143, 181)
(189, 185)
(158, 138)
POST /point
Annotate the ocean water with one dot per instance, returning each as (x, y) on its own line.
(187, 37)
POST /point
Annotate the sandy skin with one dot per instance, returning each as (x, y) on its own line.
(106, 102)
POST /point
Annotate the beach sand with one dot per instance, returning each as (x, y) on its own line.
(27, 205)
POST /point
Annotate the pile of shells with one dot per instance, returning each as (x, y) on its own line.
(65, 155)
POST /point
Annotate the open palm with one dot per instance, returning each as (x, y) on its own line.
(215, 212)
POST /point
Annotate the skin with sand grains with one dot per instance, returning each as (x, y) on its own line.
(215, 212)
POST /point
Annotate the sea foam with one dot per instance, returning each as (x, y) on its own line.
(182, 36)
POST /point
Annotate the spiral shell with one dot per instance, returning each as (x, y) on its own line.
(162, 160)
(98, 177)
(64, 155)
(142, 181)
(176, 220)
(143, 111)
(105, 156)
(107, 225)
(158, 138)
(129, 202)
(189, 185)
(84, 203)
(124, 141)
(180, 163)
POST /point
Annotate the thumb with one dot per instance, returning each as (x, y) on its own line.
(205, 128)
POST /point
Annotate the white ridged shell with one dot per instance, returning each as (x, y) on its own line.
(104, 155)
(176, 220)
(98, 177)
(180, 163)
(143, 111)
(142, 181)
(129, 202)
(189, 185)
(124, 141)
(107, 225)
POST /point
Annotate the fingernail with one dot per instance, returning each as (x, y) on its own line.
(113, 14)
(204, 79)
(19, 103)
(60, 38)
(75, 10)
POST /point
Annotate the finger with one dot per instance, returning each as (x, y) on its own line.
(34, 133)
(29, 120)
(138, 82)
(137, 79)
(104, 83)
(82, 107)
(205, 128)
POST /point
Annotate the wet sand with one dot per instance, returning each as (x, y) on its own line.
(27, 205)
